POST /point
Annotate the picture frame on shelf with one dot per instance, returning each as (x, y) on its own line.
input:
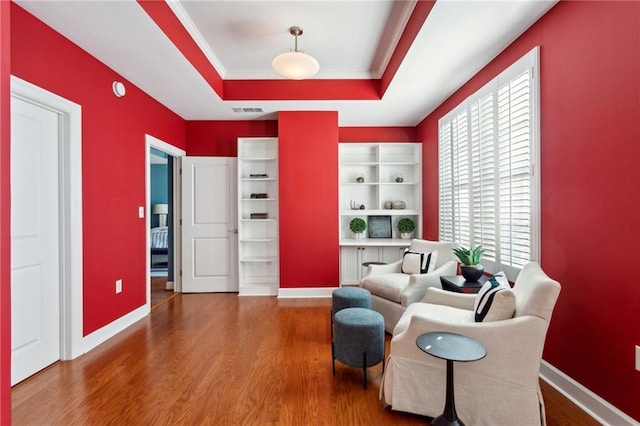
(379, 226)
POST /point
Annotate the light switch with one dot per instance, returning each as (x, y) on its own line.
(141, 212)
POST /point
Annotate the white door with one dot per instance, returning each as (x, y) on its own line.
(209, 225)
(35, 239)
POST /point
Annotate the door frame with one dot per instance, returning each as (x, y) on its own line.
(70, 170)
(176, 153)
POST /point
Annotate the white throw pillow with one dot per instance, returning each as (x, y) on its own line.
(414, 262)
(495, 301)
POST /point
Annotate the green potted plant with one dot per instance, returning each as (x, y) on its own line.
(406, 226)
(470, 258)
(358, 226)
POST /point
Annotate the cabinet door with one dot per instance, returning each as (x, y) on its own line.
(349, 266)
(391, 254)
(367, 254)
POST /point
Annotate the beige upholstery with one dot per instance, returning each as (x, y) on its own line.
(502, 388)
(392, 291)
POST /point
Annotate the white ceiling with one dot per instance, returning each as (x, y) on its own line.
(350, 39)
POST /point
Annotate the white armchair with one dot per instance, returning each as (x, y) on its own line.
(392, 290)
(503, 388)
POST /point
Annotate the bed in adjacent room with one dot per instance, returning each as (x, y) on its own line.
(159, 246)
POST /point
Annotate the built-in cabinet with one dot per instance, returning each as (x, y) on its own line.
(378, 182)
(353, 258)
(258, 246)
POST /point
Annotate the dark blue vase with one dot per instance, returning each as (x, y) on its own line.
(471, 273)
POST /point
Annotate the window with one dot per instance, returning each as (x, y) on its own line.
(489, 187)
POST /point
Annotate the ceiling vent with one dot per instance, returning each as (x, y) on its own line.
(241, 110)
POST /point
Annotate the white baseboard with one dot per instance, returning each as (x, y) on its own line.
(101, 335)
(310, 292)
(592, 404)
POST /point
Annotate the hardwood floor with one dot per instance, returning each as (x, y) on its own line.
(159, 292)
(220, 359)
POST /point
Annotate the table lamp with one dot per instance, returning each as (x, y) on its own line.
(161, 210)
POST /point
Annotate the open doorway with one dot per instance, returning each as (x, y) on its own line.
(162, 206)
(161, 218)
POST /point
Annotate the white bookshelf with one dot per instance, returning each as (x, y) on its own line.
(258, 247)
(379, 165)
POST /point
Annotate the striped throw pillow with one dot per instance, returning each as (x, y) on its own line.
(414, 262)
(495, 301)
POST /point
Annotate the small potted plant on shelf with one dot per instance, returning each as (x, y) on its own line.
(358, 226)
(470, 257)
(406, 226)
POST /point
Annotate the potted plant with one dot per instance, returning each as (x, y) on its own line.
(358, 226)
(470, 257)
(406, 226)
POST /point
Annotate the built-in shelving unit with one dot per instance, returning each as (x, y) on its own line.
(374, 176)
(258, 248)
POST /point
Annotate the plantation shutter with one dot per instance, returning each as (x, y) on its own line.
(488, 190)
(483, 175)
(514, 147)
(445, 174)
(461, 179)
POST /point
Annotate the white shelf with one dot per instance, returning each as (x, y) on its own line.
(258, 269)
(257, 159)
(379, 164)
(389, 212)
(375, 242)
(259, 259)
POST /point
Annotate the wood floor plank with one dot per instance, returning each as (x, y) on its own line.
(220, 359)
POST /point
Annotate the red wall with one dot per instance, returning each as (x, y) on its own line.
(5, 216)
(308, 174)
(378, 134)
(220, 138)
(590, 146)
(113, 158)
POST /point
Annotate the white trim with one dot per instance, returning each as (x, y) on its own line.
(197, 36)
(294, 293)
(103, 334)
(71, 300)
(601, 410)
(153, 142)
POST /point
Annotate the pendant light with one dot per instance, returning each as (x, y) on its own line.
(295, 65)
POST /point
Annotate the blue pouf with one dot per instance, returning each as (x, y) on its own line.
(350, 297)
(358, 339)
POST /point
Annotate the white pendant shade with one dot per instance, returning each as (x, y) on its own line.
(295, 65)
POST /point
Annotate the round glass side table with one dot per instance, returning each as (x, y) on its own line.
(450, 347)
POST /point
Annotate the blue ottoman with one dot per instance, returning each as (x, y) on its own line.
(350, 297)
(358, 339)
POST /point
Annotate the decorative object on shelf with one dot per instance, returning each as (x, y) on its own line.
(161, 210)
(399, 178)
(295, 65)
(398, 205)
(379, 226)
(406, 226)
(360, 179)
(356, 206)
(259, 216)
(470, 258)
(258, 175)
(259, 195)
(358, 226)
(388, 205)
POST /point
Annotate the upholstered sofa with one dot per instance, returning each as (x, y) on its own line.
(501, 389)
(392, 290)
